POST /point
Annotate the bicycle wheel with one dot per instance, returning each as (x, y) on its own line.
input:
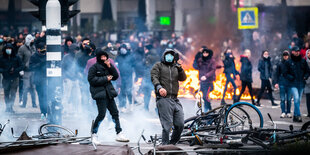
(242, 116)
(55, 131)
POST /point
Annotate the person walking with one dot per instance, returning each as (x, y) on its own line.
(282, 82)
(265, 69)
(246, 74)
(165, 76)
(297, 73)
(206, 66)
(10, 66)
(100, 76)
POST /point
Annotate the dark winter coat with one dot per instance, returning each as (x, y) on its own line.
(37, 64)
(279, 77)
(246, 69)
(297, 71)
(206, 67)
(8, 62)
(126, 64)
(229, 66)
(167, 76)
(261, 68)
(100, 87)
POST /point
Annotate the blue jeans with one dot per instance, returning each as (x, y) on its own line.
(232, 81)
(297, 94)
(206, 88)
(285, 95)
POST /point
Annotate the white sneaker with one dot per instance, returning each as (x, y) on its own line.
(94, 139)
(289, 115)
(123, 110)
(283, 115)
(121, 138)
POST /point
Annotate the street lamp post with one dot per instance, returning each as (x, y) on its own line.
(53, 58)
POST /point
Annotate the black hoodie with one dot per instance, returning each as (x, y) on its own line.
(297, 71)
(10, 65)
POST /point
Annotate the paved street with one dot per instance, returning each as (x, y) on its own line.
(133, 122)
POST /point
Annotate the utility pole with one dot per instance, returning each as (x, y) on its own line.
(53, 58)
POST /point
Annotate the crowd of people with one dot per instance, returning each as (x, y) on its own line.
(104, 71)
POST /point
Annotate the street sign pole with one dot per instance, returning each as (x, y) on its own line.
(53, 64)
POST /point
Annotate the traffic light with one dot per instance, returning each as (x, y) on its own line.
(66, 14)
(41, 13)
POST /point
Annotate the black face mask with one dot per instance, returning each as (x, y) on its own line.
(31, 44)
(43, 51)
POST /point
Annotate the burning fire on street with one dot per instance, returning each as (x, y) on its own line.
(191, 85)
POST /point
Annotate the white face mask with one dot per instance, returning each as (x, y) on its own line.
(8, 51)
(123, 51)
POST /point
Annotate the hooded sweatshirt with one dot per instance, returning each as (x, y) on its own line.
(26, 50)
(167, 75)
(10, 65)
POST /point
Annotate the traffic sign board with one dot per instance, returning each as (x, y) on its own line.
(248, 18)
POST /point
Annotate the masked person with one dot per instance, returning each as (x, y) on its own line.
(165, 76)
(125, 63)
(10, 66)
(265, 69)
(206, 66)
(100, 76)
(37, 64)
(246, 74)
(297, 73)
(25, 52)
(229, 69)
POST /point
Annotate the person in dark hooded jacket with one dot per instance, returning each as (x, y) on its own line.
(229, 68)
(125, 61)
(10, 66)
(246, 74)
(66, 47)
(265, 69)
(100, 76)
(206, 66)
(37, 64)
(282, 82)
(297, 73)
(165, 77)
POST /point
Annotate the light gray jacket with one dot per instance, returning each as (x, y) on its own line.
(25, 52)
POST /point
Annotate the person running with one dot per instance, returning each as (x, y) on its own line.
(100, 76)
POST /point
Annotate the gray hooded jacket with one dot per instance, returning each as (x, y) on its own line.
(25, 52)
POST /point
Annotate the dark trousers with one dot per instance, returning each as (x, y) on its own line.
(285, 95)
(10, 89)
(28, 87)
(126, 91)
(232, 81)
(41, 90)
(265, 84)
(20, 88)
(102, 106)
(171, 114)
(308, 103)
(206, 88)
(244, 85)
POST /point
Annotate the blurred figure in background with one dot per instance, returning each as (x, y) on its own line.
(246, 74)
(10, 66)
(37, 65)
(25, 52)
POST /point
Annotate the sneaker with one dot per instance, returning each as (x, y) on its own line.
(94, 139)
(297, 119)
(274, 104)
(289, 115)
(123, 110)
(121, 138)
(257, 104)
(21, 103)
(283, 115)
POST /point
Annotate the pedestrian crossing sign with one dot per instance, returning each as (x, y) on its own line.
(248, 18)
